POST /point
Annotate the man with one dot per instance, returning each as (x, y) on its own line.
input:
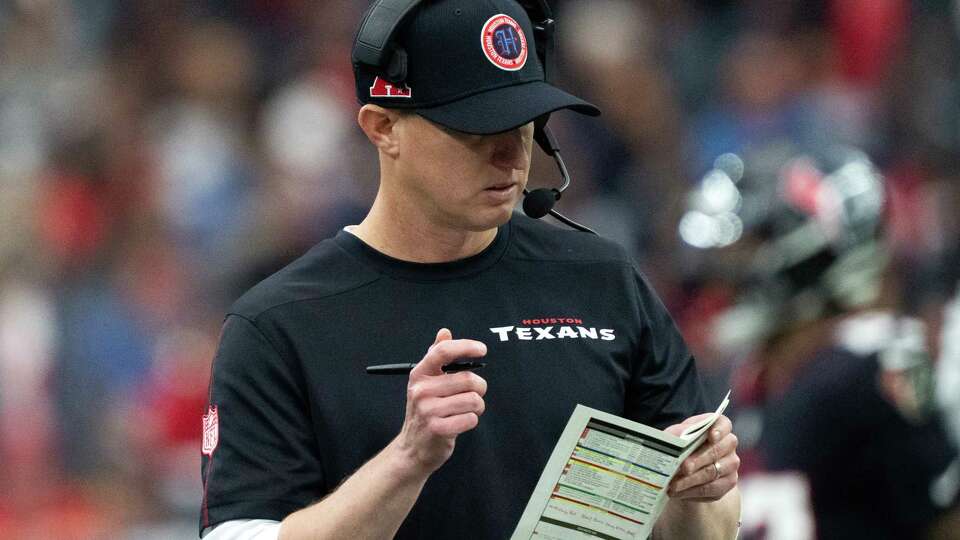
(836, 389)
(441, 263)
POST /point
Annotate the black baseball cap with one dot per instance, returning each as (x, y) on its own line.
(472, 66)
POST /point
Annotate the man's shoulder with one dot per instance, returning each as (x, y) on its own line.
(542, 241)
(325, 270)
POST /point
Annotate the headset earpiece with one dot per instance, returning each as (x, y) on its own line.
(544, 33)
(396, 70)
(372, 45)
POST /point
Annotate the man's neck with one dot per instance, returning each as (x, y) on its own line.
(413, 237)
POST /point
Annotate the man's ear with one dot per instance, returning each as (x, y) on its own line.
(379, 126)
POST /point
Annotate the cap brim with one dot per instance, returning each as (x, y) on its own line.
(503, 109)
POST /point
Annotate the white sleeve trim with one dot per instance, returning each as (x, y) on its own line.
(244, 529)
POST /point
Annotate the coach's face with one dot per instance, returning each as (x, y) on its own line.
(457, 180)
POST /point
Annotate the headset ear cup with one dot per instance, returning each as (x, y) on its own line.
(544, 36)
(396, 71)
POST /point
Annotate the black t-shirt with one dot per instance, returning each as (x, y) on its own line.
(870, 470)
(567, 319)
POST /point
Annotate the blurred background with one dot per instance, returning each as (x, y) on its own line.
(159, 157)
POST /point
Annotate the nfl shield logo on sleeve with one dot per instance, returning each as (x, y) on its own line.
(211, 430)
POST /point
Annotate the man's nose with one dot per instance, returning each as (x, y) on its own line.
(509, 152)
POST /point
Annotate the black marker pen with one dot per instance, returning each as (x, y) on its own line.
(403, 369)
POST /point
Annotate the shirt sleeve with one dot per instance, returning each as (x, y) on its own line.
(260, 456)
(665, 386)
(244, 529)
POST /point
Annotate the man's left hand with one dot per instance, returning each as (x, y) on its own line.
(710, 472)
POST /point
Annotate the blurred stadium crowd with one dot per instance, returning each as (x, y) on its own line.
(158, 157)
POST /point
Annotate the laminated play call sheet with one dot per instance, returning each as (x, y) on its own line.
(607, 478)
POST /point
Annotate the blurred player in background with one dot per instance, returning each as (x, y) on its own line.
(836, 405)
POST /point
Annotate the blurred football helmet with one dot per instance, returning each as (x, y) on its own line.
(799, 235)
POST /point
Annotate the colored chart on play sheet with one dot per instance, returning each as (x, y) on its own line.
(610, 484)
(607, 478)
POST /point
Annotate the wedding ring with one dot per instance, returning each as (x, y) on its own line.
(716, 467)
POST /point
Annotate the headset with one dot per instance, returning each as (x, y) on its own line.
(374, 46)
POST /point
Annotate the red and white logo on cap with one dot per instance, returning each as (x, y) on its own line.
(382, 88)
(211, 431)
(504, 43)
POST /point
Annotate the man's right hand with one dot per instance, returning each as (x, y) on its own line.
(440, 406)
(374, 500)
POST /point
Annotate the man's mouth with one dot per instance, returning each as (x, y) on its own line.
(503, 187)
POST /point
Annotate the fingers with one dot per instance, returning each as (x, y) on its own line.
(467, 402)
(709, 453)
(720, 429)
(452, 426)
(677, 429)
(448, 385)
(441, 406)
(698, 478)
(446, 350)
(443, 334)
(727, 464)
(445, 406)
(705, 484)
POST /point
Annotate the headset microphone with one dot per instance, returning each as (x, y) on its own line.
(539, 202)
